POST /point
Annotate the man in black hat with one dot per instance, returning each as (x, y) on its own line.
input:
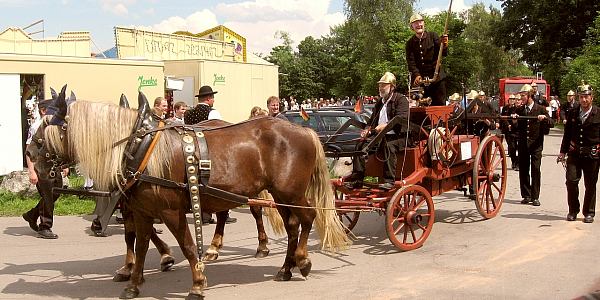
(204, 110)
(581, 143)
(44, 210)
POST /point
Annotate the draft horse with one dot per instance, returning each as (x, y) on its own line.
(246, 158)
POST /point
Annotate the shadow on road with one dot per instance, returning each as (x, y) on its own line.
(535, 216)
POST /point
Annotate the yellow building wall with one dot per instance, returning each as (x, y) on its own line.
(91, 79)
(240, 86)
(68, 43)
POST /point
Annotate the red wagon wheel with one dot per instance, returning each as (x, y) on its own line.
(348, 218)
(409, 217)
(489, 176)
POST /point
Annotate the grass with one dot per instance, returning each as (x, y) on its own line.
(12, 204)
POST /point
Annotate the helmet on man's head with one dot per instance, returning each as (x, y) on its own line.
(584, 89)
(533, 84)
(571, 93)
(472, 95)
(512, 96)
(526, 88)
(388, 77)
(415, 17)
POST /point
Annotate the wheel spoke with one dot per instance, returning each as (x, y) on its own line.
(397, 230)
(419, 204)
(496, 187)
(412, 232)
(496, 163)
(422, 227)
(405, 235)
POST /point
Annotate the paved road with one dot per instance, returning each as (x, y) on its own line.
(524, 253)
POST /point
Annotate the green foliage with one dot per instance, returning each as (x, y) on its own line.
(14, 205)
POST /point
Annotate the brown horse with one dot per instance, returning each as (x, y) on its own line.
(48, 179)
(267, 153)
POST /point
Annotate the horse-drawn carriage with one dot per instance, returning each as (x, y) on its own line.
(436, 160)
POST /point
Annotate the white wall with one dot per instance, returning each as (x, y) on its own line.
(11, 156)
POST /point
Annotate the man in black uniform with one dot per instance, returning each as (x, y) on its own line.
(581, 141)
(202, 112)
(531, 143)
(537, 96)
(421, 56)
(389, 105)
(509, 129)
(568, 106)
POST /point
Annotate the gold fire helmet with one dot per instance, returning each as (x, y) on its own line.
(571, 93)
(584, 89)
(526, 89)
(388, 77)
(415, 17)
(455, 97)
(472, 95)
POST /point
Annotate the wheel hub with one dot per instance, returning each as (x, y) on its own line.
(412, 217)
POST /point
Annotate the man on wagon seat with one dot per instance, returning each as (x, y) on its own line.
(389, 105)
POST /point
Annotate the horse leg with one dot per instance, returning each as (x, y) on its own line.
(306, 217)
(124, 273)
(166, 258)
(217, 242)
(177, 223)
(262, 250)
(143, 230)
(291, 224)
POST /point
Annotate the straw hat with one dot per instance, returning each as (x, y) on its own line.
(472, 95)
(455, 97)
(415, 17)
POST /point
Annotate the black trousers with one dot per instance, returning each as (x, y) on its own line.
(437, 92)
(391, 146)
(575, 167)
(511, 141)
(530, 160)
(44, 210)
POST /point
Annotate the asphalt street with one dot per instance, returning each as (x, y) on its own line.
(525, 252)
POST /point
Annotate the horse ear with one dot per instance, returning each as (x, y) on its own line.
(123, 101)
(59, 108)
(72, 97)
(143, 106)
(53, 94)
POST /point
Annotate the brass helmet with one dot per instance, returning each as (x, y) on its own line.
(571, 93)
(414, 18)
(455, 97)
(526, 88)
(584, 89)
(388, 77)
(472, 95)
(533, 84)
(481, 93)
(512, 96)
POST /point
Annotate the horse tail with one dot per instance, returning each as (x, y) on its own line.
(328, 225)
(273, 216)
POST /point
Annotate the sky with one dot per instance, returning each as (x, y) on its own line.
(257, 20)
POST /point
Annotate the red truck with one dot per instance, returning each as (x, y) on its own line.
(512, 85)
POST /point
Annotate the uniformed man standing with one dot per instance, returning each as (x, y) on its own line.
(531, 143)
(568, 106)
(581, 145)
(421, 56)
(509, 129)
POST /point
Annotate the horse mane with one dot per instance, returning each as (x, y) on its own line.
(93, 129)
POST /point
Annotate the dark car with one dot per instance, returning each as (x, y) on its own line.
(326, 121)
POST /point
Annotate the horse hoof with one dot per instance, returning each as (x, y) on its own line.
(305, 267)
(262, 253)
(210, 256)
(129, 293)
(166, 263)
(191, 296)
(121, 277)
(283, 276)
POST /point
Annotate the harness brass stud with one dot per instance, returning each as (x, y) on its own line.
(190, 159)
(195, 198)
(47, 155)
(197, 222)
(197, 215)
(191, 169)
(199, 134)
(40, 141)
(189, 149)
(193, 179)
(188, 139)
(194, 190)
(196, 206)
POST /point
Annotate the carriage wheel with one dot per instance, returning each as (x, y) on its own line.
(409, 217)
(489, 176)
(348, 218)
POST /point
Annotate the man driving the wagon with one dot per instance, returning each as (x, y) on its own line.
(390, 105)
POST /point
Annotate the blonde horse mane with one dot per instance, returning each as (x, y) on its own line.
(93, 128)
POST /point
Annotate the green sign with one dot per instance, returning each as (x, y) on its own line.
(146, 82)
(219, 79)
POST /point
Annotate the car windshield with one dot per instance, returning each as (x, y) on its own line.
(513, 88)
(333, 123)
(312, 122)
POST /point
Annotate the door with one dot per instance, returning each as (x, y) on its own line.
(11, 152)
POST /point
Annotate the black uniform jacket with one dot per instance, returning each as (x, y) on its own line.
(422, 54)
(531, 133)
(397, 106)
(507, 111)
(566, 108)
(581, 135)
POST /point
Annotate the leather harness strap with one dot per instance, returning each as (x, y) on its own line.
(133, 179)
(192, 164)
